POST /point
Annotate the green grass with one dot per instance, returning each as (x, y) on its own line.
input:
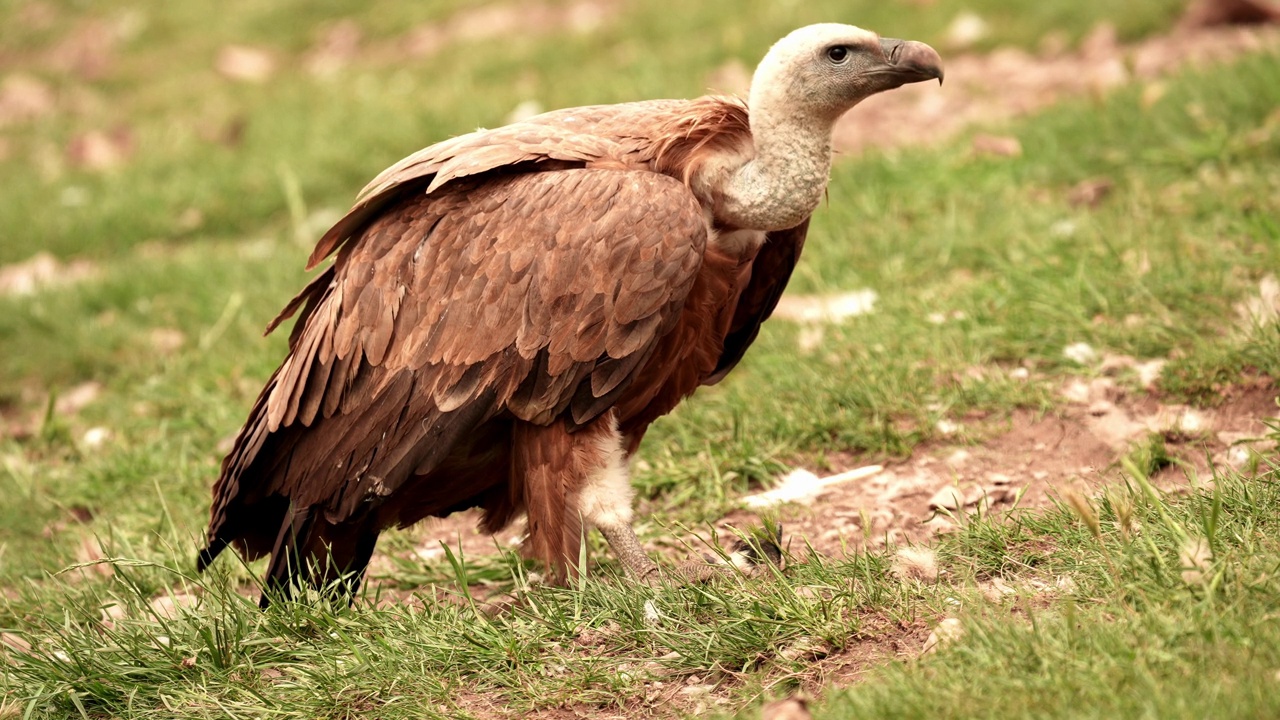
(1154, 271)
(1114, 621)
(1146, 631)
(334, 134)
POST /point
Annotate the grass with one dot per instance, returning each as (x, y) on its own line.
(1150, 627)
(332, 134)
(169, 325)
(1103, 611)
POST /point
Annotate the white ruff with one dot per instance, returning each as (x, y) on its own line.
(605, 499)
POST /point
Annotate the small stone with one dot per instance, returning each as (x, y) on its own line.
(797, 709)
(1002, 494)
(1090, 193)
(1195, 558)
(169, 607)
(834, 308)
(812, 592)
(947, 631)
(966, 29)
(100, 150)
(805, 647)
(1237, 457)
(167, 341)
(1192, 422)
(1063, 228)
(1098, 408)
(1076, 391)
(1082, 353)
(811, 337)
(996, 590)
(12, 641)
(1149, 372)
(40, 271)
(23, 98)
(245, 64)
(1113, 363)
(429, 553)
(113, 612)
(190, 219)
(997, 145)
(91, 556)
(77, 398)
(948, 498)
(947, 427)
(96, 437)
(652, 617)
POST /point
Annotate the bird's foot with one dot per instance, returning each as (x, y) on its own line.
(750, 555)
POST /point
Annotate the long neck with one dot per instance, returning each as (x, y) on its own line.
(786, 179)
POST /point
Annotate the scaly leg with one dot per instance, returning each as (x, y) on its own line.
(605, 503)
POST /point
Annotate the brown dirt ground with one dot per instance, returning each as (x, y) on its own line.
(1037, 456)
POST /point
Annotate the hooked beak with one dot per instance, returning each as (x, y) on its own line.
(908, 61)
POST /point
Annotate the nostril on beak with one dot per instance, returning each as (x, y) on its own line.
(892, 49)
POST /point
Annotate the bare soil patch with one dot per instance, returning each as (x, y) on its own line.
(1032, 457)
(1026, 458)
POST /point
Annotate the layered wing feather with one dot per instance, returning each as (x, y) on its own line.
(473, 154)
(530, 294)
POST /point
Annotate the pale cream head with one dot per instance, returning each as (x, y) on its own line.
(801, 87)
(823, 70)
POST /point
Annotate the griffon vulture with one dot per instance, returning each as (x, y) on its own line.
(507, 312)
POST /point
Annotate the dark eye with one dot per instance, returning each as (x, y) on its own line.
(838, 54)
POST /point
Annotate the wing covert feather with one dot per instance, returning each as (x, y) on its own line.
(508, 294)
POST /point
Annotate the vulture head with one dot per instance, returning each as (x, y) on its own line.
(805, 82)
(823, 70)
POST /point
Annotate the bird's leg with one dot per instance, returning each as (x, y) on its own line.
(622, 540)
(604, 500)
(605, 503)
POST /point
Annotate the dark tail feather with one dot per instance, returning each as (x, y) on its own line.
(210, 553)
(329, 557)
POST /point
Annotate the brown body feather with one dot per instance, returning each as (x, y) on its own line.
(497, 303)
